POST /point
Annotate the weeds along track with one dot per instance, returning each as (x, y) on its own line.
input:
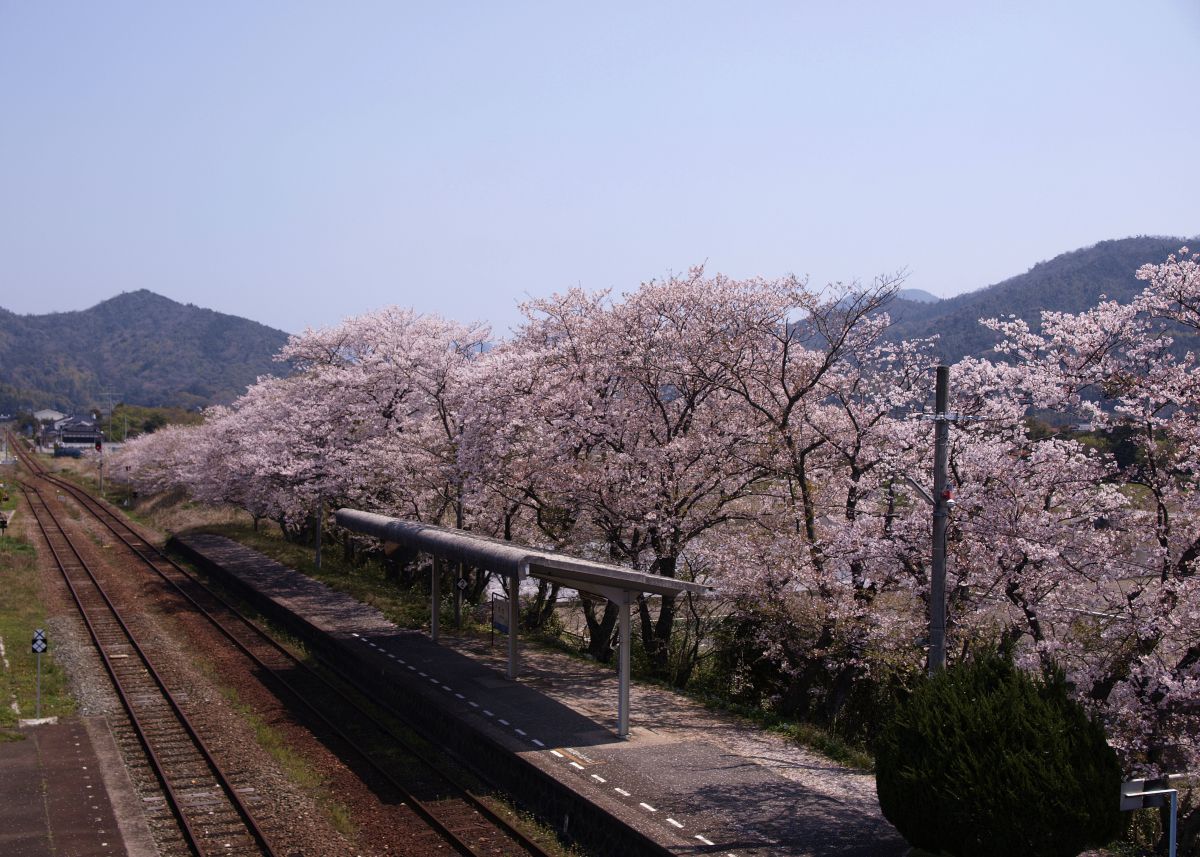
(414, 776)
(205, 800)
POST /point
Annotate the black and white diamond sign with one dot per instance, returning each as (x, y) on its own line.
(462, 583)
(39, 641)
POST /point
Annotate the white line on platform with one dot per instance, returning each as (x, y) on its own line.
(421, 674)
(460, 696)
(411, 667)
(392, 656)
(599, 778)
(448, 688)
(488, 713)
(472, 703)
(520, 731)
(577, 765)
(556, 753)
(647, 807)
(673, 821)
(353, 634)
(702, 839)
(621, 792)
(539, 743)
(504, 722)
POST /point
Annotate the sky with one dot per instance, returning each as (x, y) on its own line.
(298, 163)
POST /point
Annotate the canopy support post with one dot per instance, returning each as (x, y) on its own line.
(623, 668)
(514, 617)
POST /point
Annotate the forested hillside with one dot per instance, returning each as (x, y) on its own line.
(137, 347)
(1071, 282)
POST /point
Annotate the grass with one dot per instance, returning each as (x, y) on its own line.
(368, 584)
(22, 610)
(293, 764)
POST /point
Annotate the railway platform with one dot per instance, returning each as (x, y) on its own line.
(687, 780)
(55, 795)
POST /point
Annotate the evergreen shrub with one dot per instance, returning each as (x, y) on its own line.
(984, 760)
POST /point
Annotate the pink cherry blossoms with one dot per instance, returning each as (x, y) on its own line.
(763, 436)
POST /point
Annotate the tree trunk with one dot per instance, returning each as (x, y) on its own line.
(600, 630)
(656, 633)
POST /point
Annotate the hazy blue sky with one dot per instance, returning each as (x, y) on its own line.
(296, 163)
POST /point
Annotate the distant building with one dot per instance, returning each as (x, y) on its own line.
(79, 433)
(49, 416)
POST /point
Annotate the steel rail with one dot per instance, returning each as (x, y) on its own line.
(155, 558)
(44, 516)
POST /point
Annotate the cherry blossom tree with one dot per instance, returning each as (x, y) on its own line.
(1132, 367)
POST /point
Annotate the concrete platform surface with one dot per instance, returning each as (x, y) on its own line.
(693, 781)
(53, 800)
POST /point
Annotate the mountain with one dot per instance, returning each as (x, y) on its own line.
(139, 348)
(917, 296)
(1071, 282)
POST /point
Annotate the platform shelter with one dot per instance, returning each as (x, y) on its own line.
(515, 562)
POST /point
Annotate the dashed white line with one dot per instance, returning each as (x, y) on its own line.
(577, 765)
(519, 731)
(702, 839)
(487, 713)
(673, 821)
(472, 703)
(390, 655)
(599, 778)
(539, 743)
(460, 696)
(447, 688)
(556, 753)
(353, 634)
(411, 667)
(621, 792)
(421, 674)
(504, 722)
(647, 807)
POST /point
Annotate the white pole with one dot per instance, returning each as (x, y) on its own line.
(514, 616)
(623, 672)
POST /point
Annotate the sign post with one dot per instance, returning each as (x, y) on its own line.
(39, 646)
(460, 586)
(1155, 793)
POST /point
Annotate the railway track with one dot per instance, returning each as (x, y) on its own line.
(205, 801)
(417, 775)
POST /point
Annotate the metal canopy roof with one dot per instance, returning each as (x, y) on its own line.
(618, 585)
(509, 558)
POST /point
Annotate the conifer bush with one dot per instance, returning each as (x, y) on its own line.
(985, 760)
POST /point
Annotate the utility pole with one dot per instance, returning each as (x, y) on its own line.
(941, 513)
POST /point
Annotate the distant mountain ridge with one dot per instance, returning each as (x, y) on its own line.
(1070, 282)
(145, 349)
(140, 347)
